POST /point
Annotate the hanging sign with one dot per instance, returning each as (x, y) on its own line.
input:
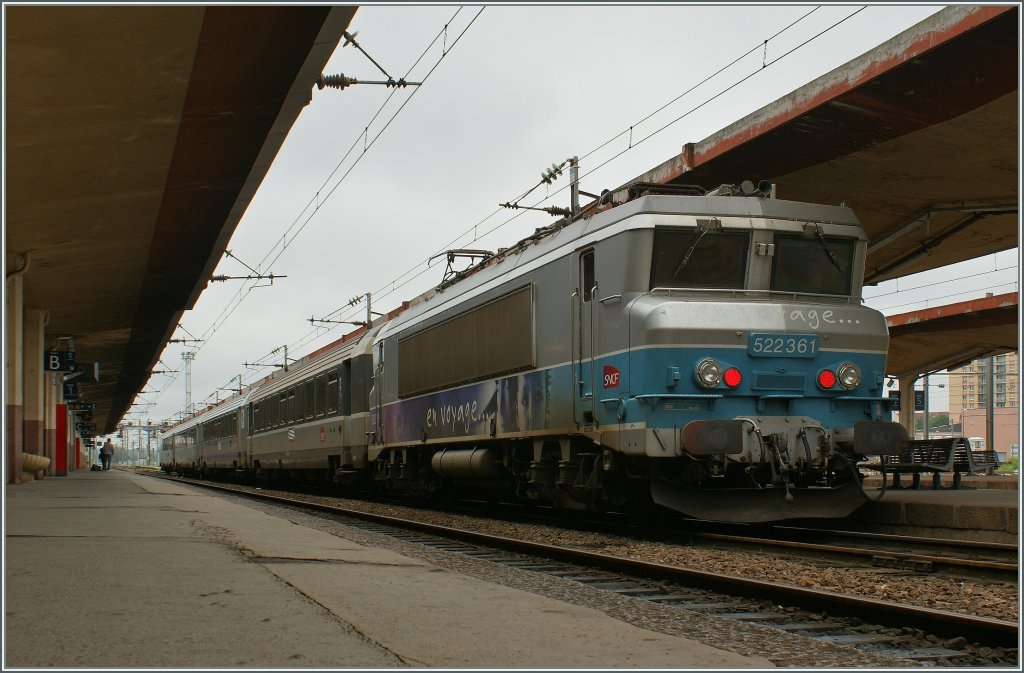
(59, 361)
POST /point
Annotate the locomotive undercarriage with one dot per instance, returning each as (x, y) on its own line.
(570, 473)
(781, 471)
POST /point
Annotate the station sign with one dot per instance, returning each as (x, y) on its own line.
(70, 391)
(85, 427)
(59, 361)
(81, 406)
(918, 398)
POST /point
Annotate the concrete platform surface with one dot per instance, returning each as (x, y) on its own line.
(112, 569)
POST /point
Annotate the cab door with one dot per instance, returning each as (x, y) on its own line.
(583, 339)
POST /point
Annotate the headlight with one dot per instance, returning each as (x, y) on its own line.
(709, 373)
(848, 375)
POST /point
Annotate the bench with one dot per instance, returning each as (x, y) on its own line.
(985, 462)
(952, 454)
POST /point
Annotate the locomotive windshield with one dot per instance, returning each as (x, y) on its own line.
(812, 264)
(705, 258)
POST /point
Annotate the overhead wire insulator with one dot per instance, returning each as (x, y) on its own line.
(335, 81)
(551, 174)
(551, 210)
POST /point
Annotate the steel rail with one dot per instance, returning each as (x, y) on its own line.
(947, 561)
(983, 630)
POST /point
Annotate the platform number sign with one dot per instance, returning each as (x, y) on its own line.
(59, 361)
(70, 390)
(918, 398)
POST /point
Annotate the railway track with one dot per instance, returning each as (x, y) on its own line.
(994, 561)
(891, 629)
(988, 560)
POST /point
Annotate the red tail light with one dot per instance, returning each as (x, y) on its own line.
(826, 379)
(732, 377)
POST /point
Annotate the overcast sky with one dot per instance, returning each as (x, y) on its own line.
(522, 88)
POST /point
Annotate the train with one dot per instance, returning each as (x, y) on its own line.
(705, 352)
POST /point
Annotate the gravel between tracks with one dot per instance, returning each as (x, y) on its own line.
(993, 600)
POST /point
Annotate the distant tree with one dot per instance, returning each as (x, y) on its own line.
(936, 421)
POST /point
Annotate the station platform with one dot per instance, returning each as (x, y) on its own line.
(119, 570)
(983, 508)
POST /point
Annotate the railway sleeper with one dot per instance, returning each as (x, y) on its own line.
(917, 565)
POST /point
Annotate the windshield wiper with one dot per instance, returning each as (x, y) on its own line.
(828, 250)
(705, 227)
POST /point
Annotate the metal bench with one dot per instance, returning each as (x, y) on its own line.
(937, 456)
(984, 462)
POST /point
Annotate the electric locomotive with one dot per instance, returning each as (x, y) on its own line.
(709, 351)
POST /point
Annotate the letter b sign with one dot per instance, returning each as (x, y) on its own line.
(59, 361)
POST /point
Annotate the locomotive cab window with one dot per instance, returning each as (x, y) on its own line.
(706, 257)
(812, 264)
(587, 272)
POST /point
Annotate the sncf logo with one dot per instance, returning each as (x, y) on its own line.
(611, 377)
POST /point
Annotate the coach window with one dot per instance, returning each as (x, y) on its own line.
(346, 388)
(332, 392)
(321, 394)
(309, 398)
(587, 271)
(292, 417)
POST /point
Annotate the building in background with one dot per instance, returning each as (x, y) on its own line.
(969, 395)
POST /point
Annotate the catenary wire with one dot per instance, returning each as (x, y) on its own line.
(616, 156)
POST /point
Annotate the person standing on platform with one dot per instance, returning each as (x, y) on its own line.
(107, 453)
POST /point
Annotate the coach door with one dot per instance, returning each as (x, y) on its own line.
(244, 435)
(584, 339)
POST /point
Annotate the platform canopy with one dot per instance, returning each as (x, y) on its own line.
(950, 336)
(920, 136)
(136, 137)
